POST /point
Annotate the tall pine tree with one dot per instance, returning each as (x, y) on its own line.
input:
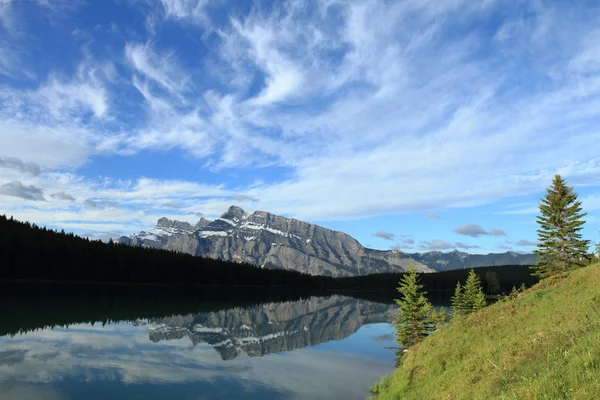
(415, 310)
(560, 246)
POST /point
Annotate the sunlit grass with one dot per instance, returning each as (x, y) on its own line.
(545, 344)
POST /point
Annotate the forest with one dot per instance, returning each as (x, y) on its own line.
(29, 253)
(32, 253)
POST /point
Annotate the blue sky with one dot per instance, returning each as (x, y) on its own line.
(411, 124)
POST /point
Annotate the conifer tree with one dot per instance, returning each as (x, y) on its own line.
(473, 295)
(560, 245)
(458, 304)
(470, 297)
(439, 318)
(415, 310)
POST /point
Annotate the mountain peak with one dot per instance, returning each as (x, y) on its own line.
(234, 212)
(202, 223)
(163, 222)
(169, 224)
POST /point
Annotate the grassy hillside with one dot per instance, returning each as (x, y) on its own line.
(545, 344)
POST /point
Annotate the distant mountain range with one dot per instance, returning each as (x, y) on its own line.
(273, 241)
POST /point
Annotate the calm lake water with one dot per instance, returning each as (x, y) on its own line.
(316, 348)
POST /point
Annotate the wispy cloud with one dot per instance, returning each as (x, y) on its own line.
(384, 235)
(243, 197)
(432, 215)
(405, 243)
(62, 196)
(466, 246)
(526, 243)
(101, 204)
(171, 204)
(160, 69)
(15, 163)
(17, 189)
(322, 93)
(475, 230)
(436, 244)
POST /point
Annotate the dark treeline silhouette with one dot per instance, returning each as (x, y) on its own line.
(440, 284)
(29, 253)
(25, 307)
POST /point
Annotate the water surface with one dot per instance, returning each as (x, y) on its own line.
(315, 348)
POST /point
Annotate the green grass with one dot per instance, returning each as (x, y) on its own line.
(545, 344)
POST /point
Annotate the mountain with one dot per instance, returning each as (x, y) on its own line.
(458, 259)
(157, 237)
(273, 241)
(273, 327)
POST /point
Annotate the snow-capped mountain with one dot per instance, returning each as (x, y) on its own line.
(165, 228)
(273, 241)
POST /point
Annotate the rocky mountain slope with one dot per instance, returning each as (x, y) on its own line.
(273, 327)
(273, 241)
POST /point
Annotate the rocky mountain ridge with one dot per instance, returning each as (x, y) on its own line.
(273, 241)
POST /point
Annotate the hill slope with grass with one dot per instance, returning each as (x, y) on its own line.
(543, 344)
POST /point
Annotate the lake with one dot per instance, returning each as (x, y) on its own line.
(70, 347)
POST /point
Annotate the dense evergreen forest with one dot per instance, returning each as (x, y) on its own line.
(26, 307)
(506, 277)
(36, 254)
(29, 252)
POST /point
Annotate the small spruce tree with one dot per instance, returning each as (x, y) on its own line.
(415, 310)
(458, 303)
(470, 297)
(439, 318)
(560, 245)
(474, 297)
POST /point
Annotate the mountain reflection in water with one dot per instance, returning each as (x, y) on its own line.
(317, 348)
(271, 328)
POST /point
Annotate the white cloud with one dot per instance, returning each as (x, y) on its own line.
(159, 68)
(184, 9)
(366, 118)
(87, 93)
(108, 205)
(47, 146)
